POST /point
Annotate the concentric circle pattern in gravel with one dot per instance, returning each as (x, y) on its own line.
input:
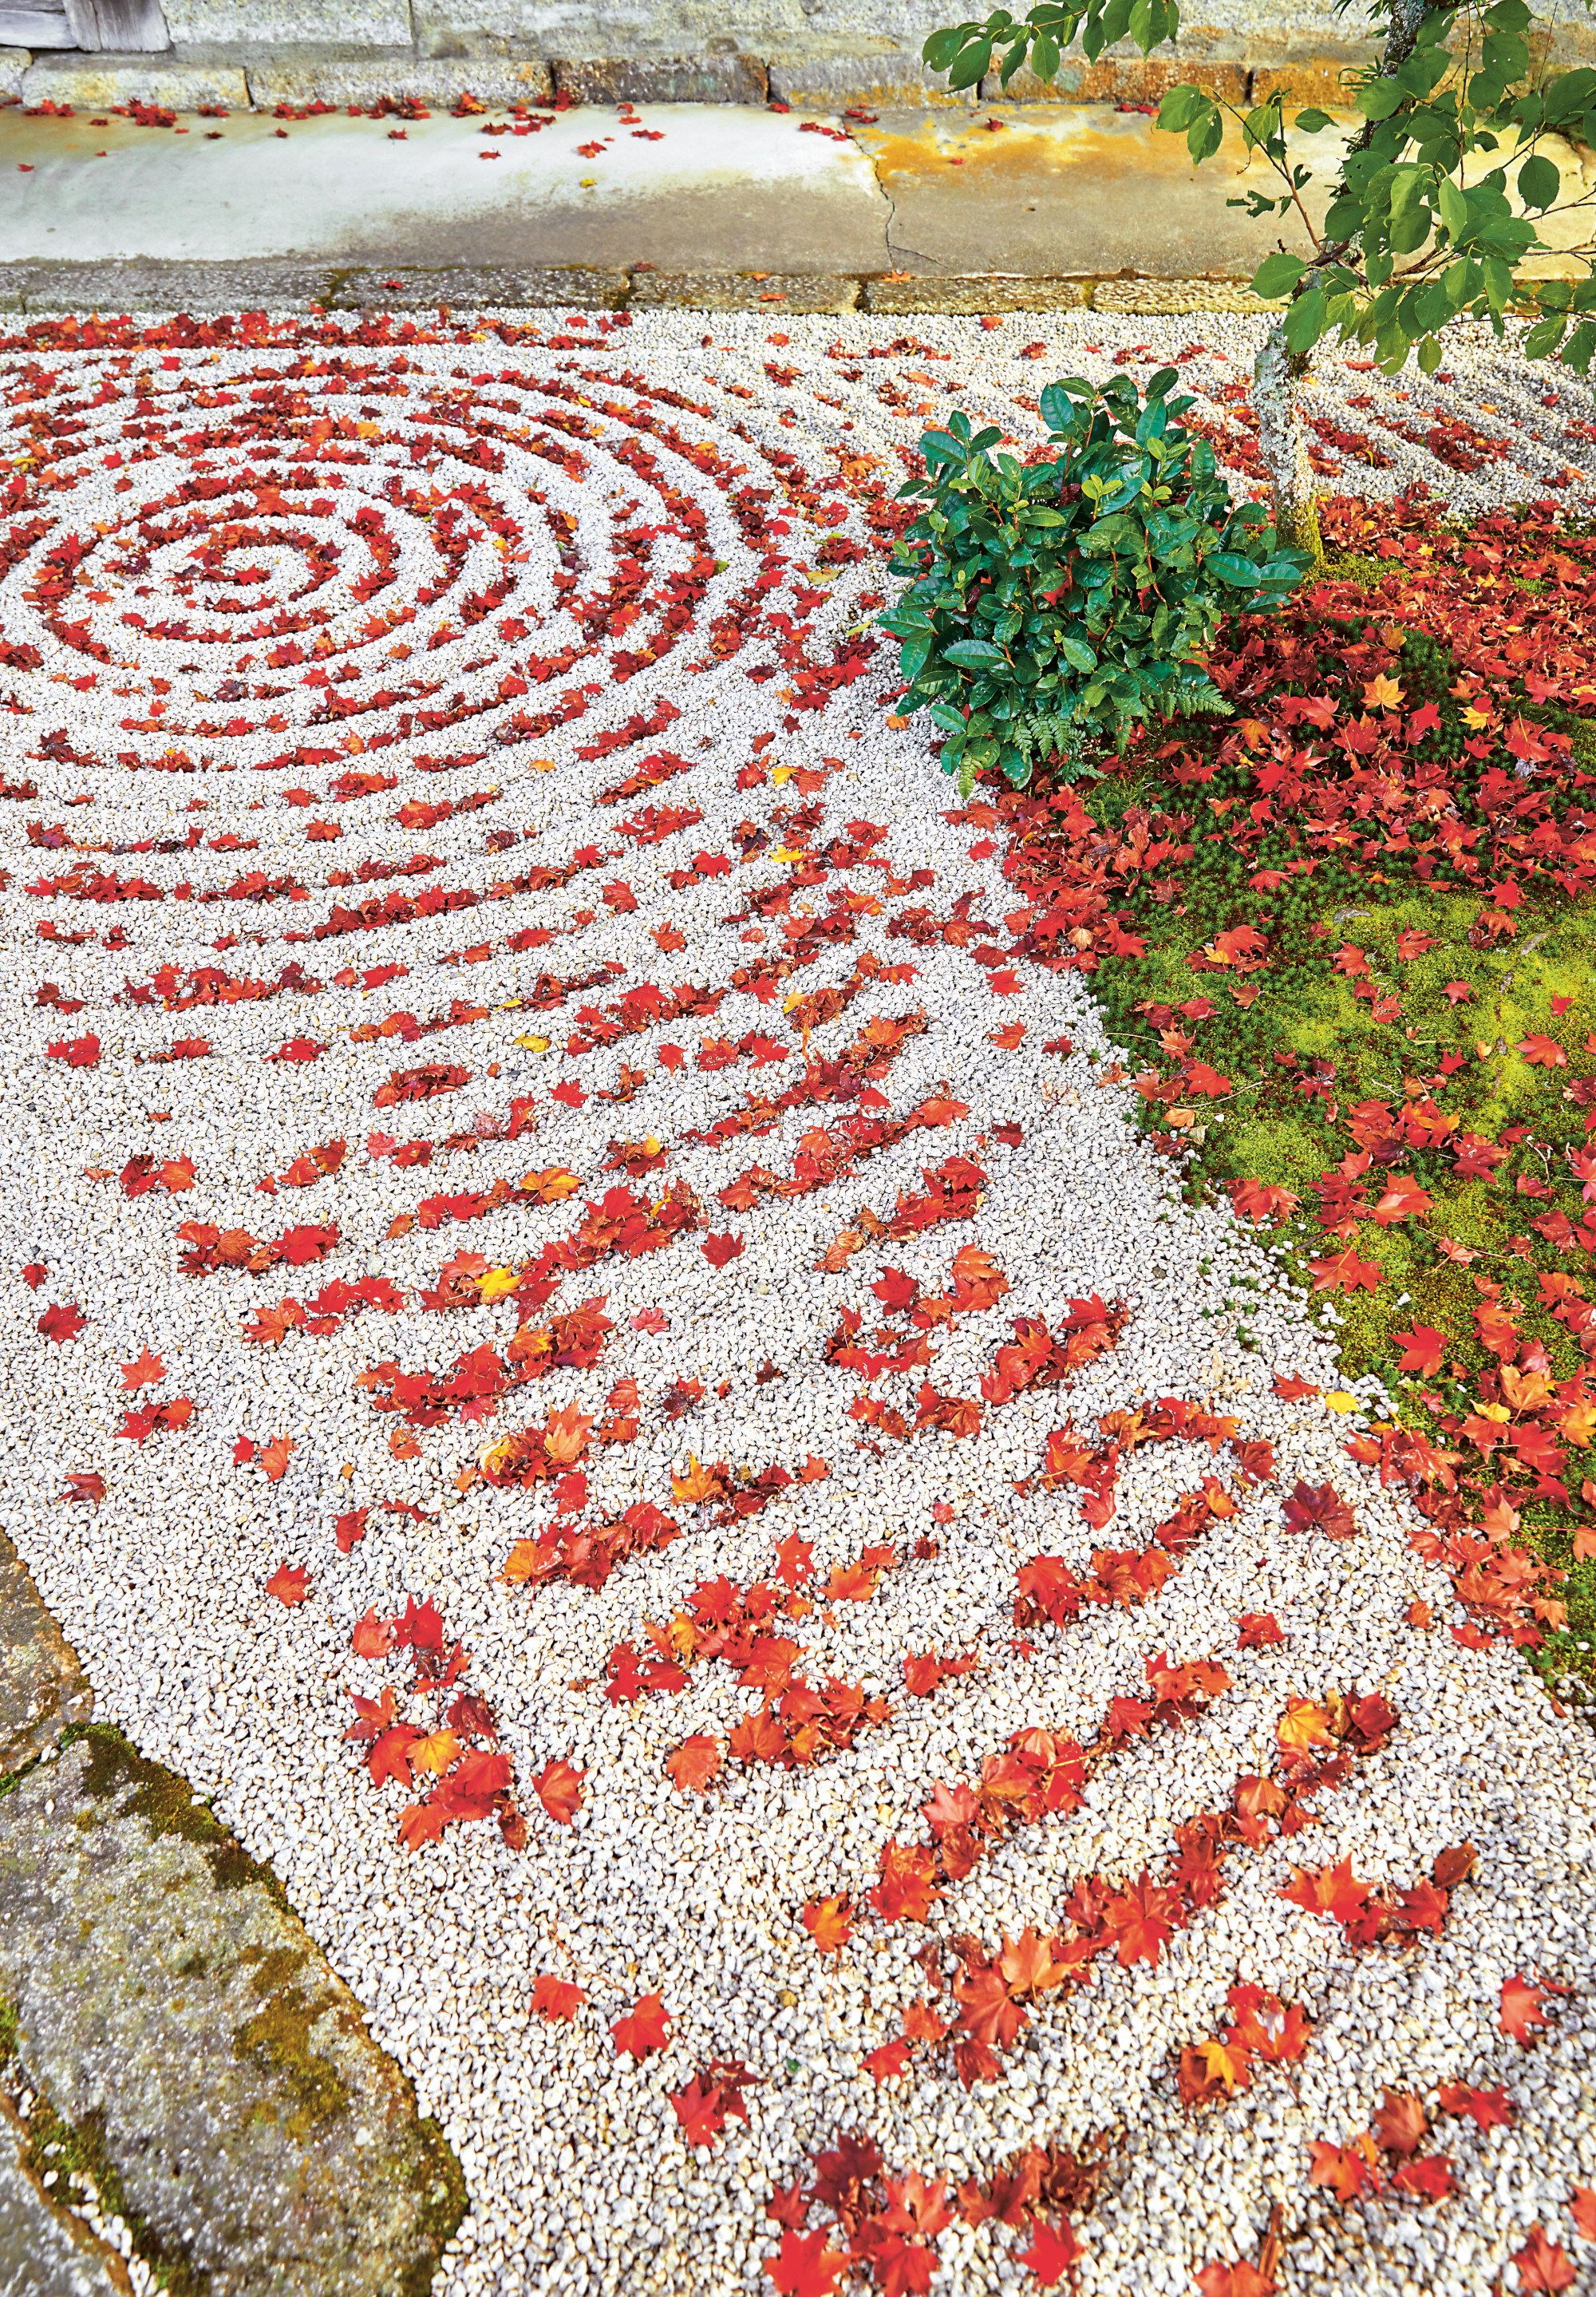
(519, 682)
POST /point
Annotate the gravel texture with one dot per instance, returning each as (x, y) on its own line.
(402, 528)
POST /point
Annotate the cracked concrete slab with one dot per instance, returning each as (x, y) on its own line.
(712, 187)
(1052, 191)
(1071, 190)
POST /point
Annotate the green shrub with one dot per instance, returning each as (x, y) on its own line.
(1061, 602)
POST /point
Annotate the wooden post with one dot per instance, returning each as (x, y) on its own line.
(118, 25)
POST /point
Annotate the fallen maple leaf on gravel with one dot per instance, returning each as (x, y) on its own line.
(1542, 2265)
(1238, 2280)
(143, 1370)
(1521, 2012)
(555, 1998)
(696, 1764)
(62, 1320)
(829, 1921)
(1053, 2250)
(1320, 1507)
(558, 1787)
(1430, 2179)
(645, 2028)
(1348, 2170)
(290, 1584)
(1581, 2208)
(805, 2265)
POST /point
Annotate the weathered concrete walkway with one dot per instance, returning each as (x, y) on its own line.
(1050, 189)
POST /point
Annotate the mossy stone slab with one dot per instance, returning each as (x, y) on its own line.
(218, 2084)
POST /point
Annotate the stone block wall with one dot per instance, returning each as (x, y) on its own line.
(816, 55)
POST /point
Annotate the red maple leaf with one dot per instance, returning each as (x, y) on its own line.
(645, 2028)
(1141, 1918)
(1344, 1269)
(1430, 2177)
(1488, 2109)
(1238, 2280)
(273, 1458)
(89, 1485)
(290, 1584)
(805, 2266)
(143, 1370)
(555, 1998)
(62, 1320)
(1255, 1629)
(1053, 2250)
(1320, 1507)
(718, 1249)
(1542, 2265)
(1423, 1350)
(888, 2062)
(1348, 2170)
(696, 1764)
(829, 1921)
(1521, 2012)
(1334, 1890)
(558, 1787)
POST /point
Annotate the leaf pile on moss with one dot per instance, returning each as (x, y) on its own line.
(1346, 939)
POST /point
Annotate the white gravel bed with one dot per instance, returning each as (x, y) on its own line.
(490, 462)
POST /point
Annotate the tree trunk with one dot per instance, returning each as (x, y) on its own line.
(1284, 444)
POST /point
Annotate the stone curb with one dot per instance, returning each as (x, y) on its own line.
(208, 289)
(1243, 67)
(177, 2049)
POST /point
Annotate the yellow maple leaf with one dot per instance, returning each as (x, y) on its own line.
(1303, 1724)
(1578, 1423)
(534, 1044)
(695, 1483)
(494, 1283)
(434, 1753)
(1383, 693)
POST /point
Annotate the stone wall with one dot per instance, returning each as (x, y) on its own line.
(816, 53)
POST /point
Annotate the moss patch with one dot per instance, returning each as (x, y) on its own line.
(276, 2041)
(165, 1803)
(438, 2185)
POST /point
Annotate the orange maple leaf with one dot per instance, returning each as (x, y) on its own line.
(829, 1921)
(273, 1457)
(555, 1998)
(696, 1764)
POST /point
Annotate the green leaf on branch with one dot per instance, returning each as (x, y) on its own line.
(1278, 275)
(1538, 182)
(1304, 321)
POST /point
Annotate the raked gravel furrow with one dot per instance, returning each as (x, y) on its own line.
(579, 2177)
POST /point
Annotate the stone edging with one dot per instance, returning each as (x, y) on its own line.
(200, 288)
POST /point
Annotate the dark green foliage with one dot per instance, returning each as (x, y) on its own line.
(1071, 598)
